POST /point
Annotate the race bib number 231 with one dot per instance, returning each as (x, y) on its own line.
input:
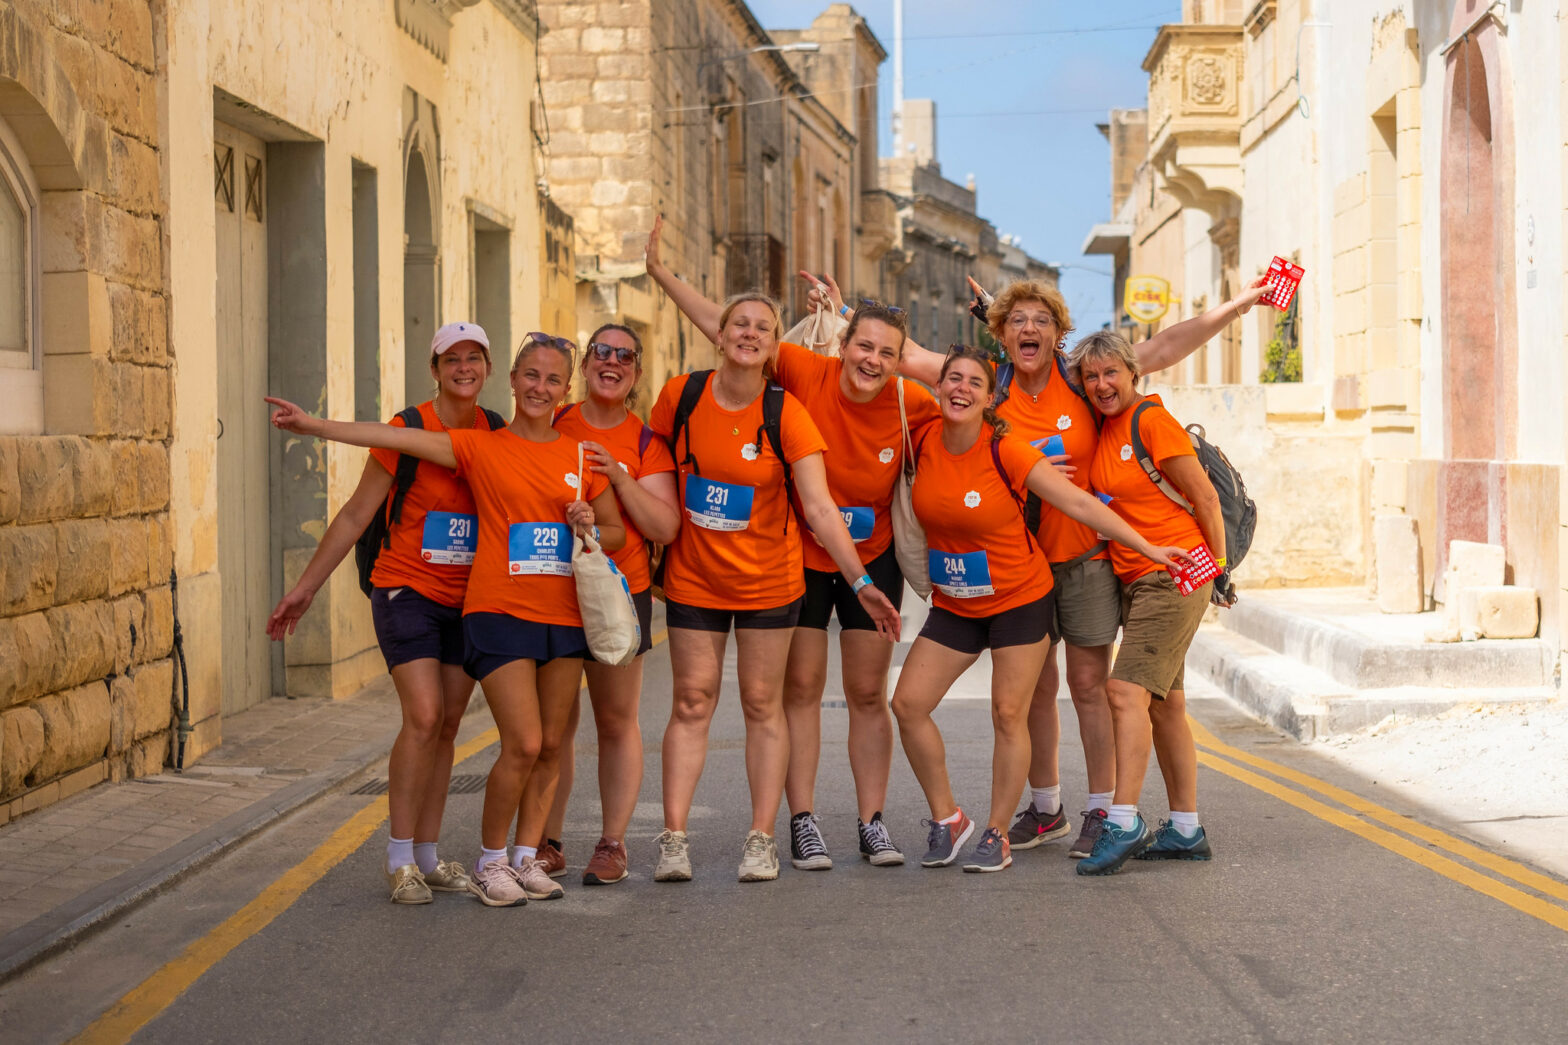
(718, 506)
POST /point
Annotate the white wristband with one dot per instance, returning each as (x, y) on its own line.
(863, 582)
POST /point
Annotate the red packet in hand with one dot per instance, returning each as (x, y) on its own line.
(1190, 578)
(1284, 277)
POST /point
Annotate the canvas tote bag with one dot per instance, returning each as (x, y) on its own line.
(909, 537)
(603, 598)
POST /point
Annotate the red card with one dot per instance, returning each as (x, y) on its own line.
(1284, 277)
(1190, 578)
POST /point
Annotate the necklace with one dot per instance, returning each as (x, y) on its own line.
(435, 404)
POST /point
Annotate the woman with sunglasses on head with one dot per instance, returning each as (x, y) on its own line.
(1044, 405)
(991, 590)
(522, 632)
(739, 562)
(641, 471)
(420, 577)
(854, 400)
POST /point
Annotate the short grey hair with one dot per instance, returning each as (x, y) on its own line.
(1103, 344)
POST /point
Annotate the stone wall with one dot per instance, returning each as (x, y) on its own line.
(86, 620)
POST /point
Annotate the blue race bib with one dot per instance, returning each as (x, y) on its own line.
(960, 575)
(1105, 498)
(450, 538)
(859, 522)
(718, 506)
(539, 548)
(1053, 446)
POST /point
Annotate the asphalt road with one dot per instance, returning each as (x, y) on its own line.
(1299, 930)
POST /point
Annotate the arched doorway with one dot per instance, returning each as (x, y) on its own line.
(421, 276)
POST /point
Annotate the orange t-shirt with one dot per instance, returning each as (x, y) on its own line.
(1059, 411)
(982, 558)
(623, 441)
(433, 541)
(739, 545)
(523, 564)
(865, 446)
(1117, 474)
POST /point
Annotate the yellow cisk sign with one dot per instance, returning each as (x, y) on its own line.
(1147, 298)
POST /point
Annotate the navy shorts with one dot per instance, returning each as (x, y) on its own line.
(700, 618)
(828, 591)
(1019, 626)
(410, 626)
(494, 640)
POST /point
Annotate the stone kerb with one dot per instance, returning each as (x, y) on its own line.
(86, 620)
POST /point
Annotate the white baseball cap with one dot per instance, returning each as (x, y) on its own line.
(453, 333)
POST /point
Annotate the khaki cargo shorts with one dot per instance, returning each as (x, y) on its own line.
(1088, 602)
(1158, 624)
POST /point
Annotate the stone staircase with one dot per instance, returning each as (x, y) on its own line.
(1316, 662)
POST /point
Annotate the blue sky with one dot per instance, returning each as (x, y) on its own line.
(1019, 87)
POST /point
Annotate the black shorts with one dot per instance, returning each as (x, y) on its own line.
(494, 640)
(410, 626)
(1019, 626)
(829, 591)
(700, 618)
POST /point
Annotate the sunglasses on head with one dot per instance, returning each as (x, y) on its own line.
(540, 338)
(603, 353)
(873, 303)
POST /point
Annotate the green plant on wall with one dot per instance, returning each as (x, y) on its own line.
(1282, 360)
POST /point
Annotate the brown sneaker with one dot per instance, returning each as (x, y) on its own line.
(552, 860)
(608, 864)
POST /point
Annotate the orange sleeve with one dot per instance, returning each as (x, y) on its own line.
(795, 364)
(802, 438)
(1163, 436)
(1018, 457)
(464, 446)
(656, 458)
(662, 417)
(597, 484)
(919, 405)
(388, 458)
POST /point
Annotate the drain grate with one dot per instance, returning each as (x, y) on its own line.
(462, 784)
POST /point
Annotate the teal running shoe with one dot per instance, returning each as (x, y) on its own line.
(1115, 847)
(1170, 844)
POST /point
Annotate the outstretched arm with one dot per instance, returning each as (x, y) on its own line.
(917, 364)
(1059, 492)
(435, 447)
(1173, 344)
(821, 514)
(704, 313)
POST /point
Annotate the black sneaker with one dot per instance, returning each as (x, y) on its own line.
(807, 851)
(1033, 827)
(875, 845)
(1093, 824)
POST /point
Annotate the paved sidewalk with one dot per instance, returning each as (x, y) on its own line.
(67, 868)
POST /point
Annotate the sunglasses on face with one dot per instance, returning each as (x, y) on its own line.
(873, 303)
(603, 353)
(540, 338)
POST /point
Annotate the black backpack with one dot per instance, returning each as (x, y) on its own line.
(378, 534)
(1004, 385)
(1239, 510)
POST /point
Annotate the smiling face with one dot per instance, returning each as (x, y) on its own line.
(541, 376)
(1108, 382)
(750, 334)
(461, 370)
(964, 390)
(611, 380)
(871, 353)
(1030, 334)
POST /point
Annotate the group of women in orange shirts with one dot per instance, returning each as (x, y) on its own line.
(769, 480)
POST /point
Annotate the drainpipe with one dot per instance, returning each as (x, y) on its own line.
(179, 686)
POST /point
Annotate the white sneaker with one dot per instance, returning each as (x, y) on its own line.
(496, 885)
(759, 859)
(674, 858)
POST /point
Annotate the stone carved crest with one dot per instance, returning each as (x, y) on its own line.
(1207, 83)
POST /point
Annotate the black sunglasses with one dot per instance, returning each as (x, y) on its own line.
(603, 352)
(540, 338)
(872, 302)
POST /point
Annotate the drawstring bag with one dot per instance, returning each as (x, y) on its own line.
(603, 597)
(819, 331)
(909, 537)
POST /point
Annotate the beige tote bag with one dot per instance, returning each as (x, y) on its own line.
(909, 537)
(603, 597)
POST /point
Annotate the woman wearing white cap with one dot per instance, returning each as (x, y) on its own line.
(419, 578)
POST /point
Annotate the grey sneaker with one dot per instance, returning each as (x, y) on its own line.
(1093, 824)
(408, 885)
(992, 853)
(807, 850)
(759, 858)
(1034, 827)
(674, 857)
(496, 885)
(876, 846)
(944, 840)
(536, 881)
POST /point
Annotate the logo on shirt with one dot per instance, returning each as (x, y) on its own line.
(571, 479)
(886, 455)
(1126, 452)
(1063, 423)
(749, 451)
(972, 499)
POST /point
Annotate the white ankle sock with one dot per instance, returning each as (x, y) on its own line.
(523, 852)
(1123, 817)
(1099, 800)
(1186, 823)
(955, 818)
(400, 851)
(488, 856)
(1047, 800)
(425, 856)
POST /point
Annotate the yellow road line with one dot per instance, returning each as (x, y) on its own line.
(1475, 854)
(1535, 907)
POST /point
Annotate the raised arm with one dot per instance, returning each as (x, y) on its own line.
(1058, 491)
(821, 514)
(435, 447)
(1173, 344)
(918, 364)
(704, 313)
